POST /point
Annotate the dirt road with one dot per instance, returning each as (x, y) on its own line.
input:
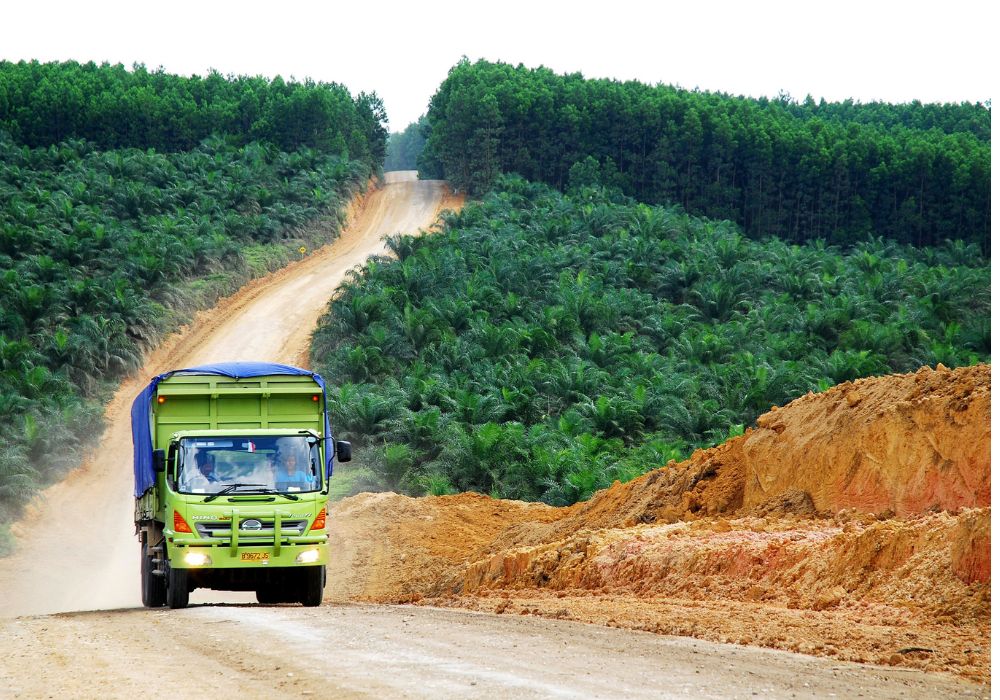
(76, 548)
(348, 651)
(77, 553)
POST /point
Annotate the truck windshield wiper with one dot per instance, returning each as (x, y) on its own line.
(230, 489)
(257, 488)
(269, 491)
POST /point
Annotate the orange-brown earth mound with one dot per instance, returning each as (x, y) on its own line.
(853, 523)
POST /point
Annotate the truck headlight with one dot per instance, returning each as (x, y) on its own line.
(197, 559)
(310, 556)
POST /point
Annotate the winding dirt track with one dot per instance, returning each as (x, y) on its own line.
(76, 548)
(77, 553)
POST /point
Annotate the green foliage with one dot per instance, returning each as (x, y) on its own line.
(7, 545)
(351, 479)
(436, 484)
(102, 252)
(918, 174)
(543, 345)
(42, 104)
(405, 147)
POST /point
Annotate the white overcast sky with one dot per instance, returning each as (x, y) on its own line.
(874, 50)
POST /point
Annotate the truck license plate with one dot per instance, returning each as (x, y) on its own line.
(254, 556)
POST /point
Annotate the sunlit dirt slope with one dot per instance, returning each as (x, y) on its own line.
(853, 523)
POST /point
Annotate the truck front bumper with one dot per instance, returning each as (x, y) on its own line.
(192, 553)
(272, 544)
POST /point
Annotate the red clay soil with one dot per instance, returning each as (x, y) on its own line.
(905, 444)
(853, 523)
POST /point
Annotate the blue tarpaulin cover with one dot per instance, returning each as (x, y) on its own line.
(142, 440)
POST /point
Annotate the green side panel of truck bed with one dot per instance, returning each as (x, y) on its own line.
(222, 403)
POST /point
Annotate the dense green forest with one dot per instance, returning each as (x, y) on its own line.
(406, 146)
(104, 251)
(917, 174)
(544, 344)
(949, 118)
(45, 103)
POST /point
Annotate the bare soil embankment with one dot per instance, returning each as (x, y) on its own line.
(853, 523)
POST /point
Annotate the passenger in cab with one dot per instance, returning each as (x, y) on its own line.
(290, 476)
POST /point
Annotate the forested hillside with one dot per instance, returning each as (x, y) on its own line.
(405, 147)
(544, 344)
(103, 251)
(917, 174)
(45, 103)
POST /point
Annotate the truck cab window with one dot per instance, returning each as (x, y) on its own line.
(283, 463)
(296, 469)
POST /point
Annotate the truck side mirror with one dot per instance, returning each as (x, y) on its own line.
(343, 451)
(159, 461)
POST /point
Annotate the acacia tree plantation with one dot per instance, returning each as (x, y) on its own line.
(127, 200)
(913, 173)
(403, 148)
(113, 107)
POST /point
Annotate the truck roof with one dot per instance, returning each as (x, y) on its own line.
(239, 432)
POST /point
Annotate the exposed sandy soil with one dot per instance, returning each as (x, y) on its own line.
(76, 547)
(853, 524)
(395, 548)
(358, 651)
(915, 443)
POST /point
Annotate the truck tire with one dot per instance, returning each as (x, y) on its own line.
(177, 588)
(312, 586)
(154, 588)
(268, 595)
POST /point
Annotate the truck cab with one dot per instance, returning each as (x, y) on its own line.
(235, 493)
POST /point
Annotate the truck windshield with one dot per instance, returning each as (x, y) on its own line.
(286, 464)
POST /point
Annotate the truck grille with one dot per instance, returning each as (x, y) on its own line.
(221, 530)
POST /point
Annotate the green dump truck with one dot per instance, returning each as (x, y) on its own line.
(232, 464)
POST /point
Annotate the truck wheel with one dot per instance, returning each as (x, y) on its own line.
(268, 595)
(312, 588)
(154, 588)
(177, 588)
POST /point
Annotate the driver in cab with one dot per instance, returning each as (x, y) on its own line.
(203, 478)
